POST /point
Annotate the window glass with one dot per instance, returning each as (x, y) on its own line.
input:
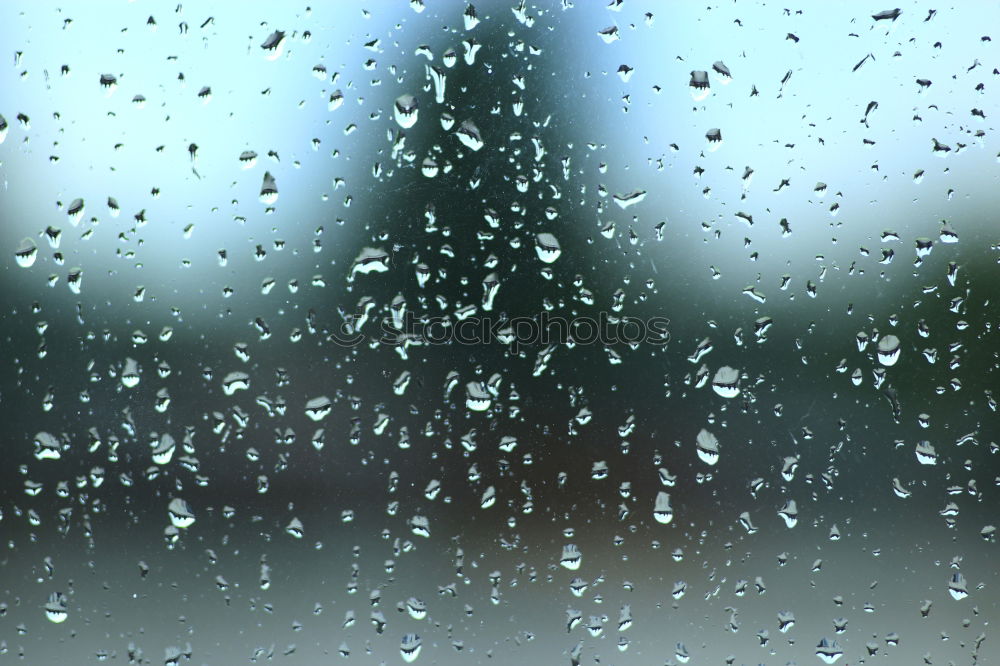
(548, 333)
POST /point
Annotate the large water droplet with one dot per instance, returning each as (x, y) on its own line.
(790, 514)
(888, 350)
(828, 652)
(130, 373)
(726, 382)
(547, 247)
(699, 85)
(75, 211)
(477, 398)
(707, 447)
(55, 608)
(268, 189)
(274, 45)
(164, 449)
(609, 34)
(318, 408)
(662, 511)
(409, 647)
(47, 447)
(235, 381)
(405, 110)
(180, 513)
(416, 608)
(957, 587)
(370, 260)
(629, 198)
(470, 17)
(722, 73)
(926, 454)
(26, 253)
(571, 557)
(295, 528)
(469, 135)
(248, 159)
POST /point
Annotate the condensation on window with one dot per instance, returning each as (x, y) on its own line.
(547, 333)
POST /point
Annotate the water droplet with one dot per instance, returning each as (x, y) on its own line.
(274, 45)
(180, 513)
(469, 135)
(74, 280)
(726, 382)
(926, 454)
(571, 557)
(609, 34)
(130, 373)
(899, 490)
(477, 398)
(248, 159)
(489, 498)
(714, 137)
(416, 608)
(75, 211)
(420, 526)
(700, 88)
(471, 48)
(755, 293)
(318, 408)
(662, 511)
(707, 447)
(828, 652)
(405, 111)
(491, 285)
(409, 647)
(429, 167)
(47, 447)
(164, 449)
(26, 253)
(109, 82)
(722, 73)
(547, 247)
(470, 17)
(268, 189)
(370, 260)
(55, 608)
(235, 381)
(888, 350)
(440, 80)
(789, 513)
(887, 14)
(630, 198)
(295, 528)
(957, 587)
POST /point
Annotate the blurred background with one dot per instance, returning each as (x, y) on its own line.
(807, 194)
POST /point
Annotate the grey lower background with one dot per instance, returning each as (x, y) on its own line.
(893, 553)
